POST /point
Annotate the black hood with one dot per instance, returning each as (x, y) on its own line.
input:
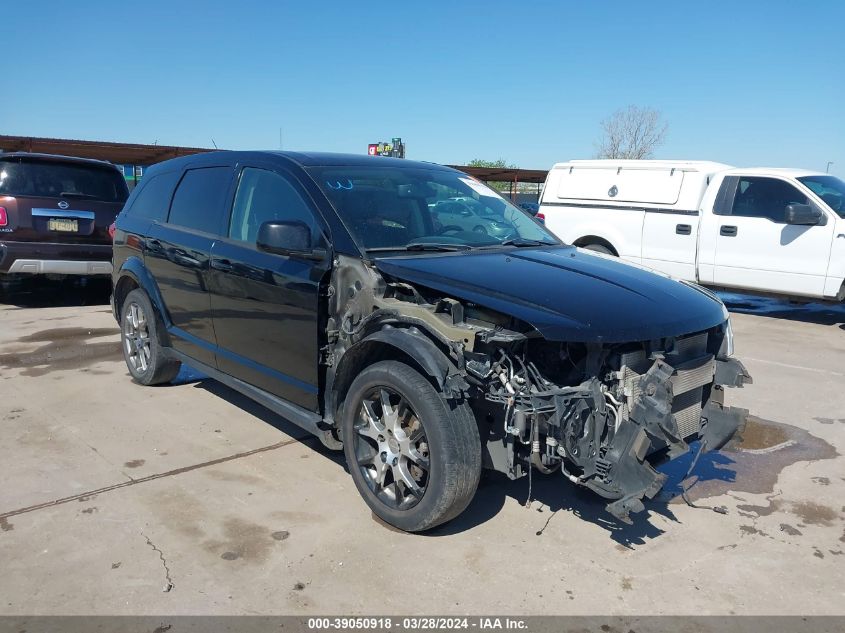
(566, 294)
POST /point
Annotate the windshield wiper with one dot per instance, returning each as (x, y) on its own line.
(74, 194)
(520, 242)
(421, 246)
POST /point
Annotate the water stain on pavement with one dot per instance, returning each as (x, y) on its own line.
(751, 462)
(243, 540)
(62, 349)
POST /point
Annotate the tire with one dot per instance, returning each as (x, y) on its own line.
(598, 248)
(418, 428)
(141, 341)
(9, 285)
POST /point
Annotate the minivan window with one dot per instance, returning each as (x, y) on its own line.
(830, 189)
(264, 196)
(22, 176)
(153, 198)
(758, 197)
(198, 201)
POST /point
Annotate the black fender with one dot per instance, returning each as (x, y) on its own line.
(134, 268)
(415, 344)
(410, 342)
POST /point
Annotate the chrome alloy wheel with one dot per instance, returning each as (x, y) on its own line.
(391, 448)
(136, 338)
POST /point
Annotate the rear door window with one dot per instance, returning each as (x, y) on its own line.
(199, 199)
(55, 179)
(153, 197)
(758, 197)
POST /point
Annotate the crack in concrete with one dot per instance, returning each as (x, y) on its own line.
(169, 585)
(141, 480)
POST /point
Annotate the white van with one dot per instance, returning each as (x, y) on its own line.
(778, 231)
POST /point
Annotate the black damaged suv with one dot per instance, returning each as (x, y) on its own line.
(331, 290)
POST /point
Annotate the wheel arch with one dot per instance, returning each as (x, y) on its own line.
(407, 345)
(133, 274)
(595, 239)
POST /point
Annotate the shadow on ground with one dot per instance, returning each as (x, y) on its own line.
(818, 313)
(40, 292)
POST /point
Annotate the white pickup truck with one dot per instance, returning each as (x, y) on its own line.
(774, 231)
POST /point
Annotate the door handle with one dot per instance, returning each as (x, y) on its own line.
(683, 229)
(223, 265)
(727, 230)
(183, 259)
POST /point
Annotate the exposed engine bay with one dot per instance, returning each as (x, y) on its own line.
(602, 414)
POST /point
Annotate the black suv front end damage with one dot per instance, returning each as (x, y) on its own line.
(604, 414)
(615, 413)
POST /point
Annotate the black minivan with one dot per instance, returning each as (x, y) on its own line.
(329, 288)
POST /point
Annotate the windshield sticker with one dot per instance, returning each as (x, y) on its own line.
(479, 188)
(337, 185)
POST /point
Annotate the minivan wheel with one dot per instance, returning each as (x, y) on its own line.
(139, 337)
(414, 456)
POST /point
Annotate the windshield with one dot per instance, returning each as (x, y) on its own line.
(53, 179)
(395, 208)
(830, 189)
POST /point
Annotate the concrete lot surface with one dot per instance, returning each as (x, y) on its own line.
(120, 499)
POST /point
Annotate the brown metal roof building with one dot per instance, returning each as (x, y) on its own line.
(137, 154)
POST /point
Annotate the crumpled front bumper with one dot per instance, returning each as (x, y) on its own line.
(630, 476)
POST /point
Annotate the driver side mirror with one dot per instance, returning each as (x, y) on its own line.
(803, 214)
(291, 238)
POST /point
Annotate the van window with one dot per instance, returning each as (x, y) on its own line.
(22, 176)
(264, 196)
(758, 197)
(198, 201)
(153, 197)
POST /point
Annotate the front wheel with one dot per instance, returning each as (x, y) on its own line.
(414, 456)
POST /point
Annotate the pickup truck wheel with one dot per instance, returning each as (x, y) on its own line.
(139, 337)
(598, 248)
(414, 456)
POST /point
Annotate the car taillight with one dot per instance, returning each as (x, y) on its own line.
(4, 218)
(541, 216)
(111, 231)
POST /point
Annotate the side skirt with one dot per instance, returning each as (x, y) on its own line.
(308, 420)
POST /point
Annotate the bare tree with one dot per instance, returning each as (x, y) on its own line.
(632, 133)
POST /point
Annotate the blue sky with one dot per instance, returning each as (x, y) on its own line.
(754, 83)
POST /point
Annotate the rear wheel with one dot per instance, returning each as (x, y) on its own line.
(414, 456)
(141, 342)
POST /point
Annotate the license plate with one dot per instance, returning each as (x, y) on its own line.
(63, 224)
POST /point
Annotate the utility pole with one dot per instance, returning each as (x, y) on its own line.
(827, 169)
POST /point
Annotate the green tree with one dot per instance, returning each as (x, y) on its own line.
(501, 164)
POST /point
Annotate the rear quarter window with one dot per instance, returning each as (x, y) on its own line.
(153, 198)
(56, 179)
(198, 202)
